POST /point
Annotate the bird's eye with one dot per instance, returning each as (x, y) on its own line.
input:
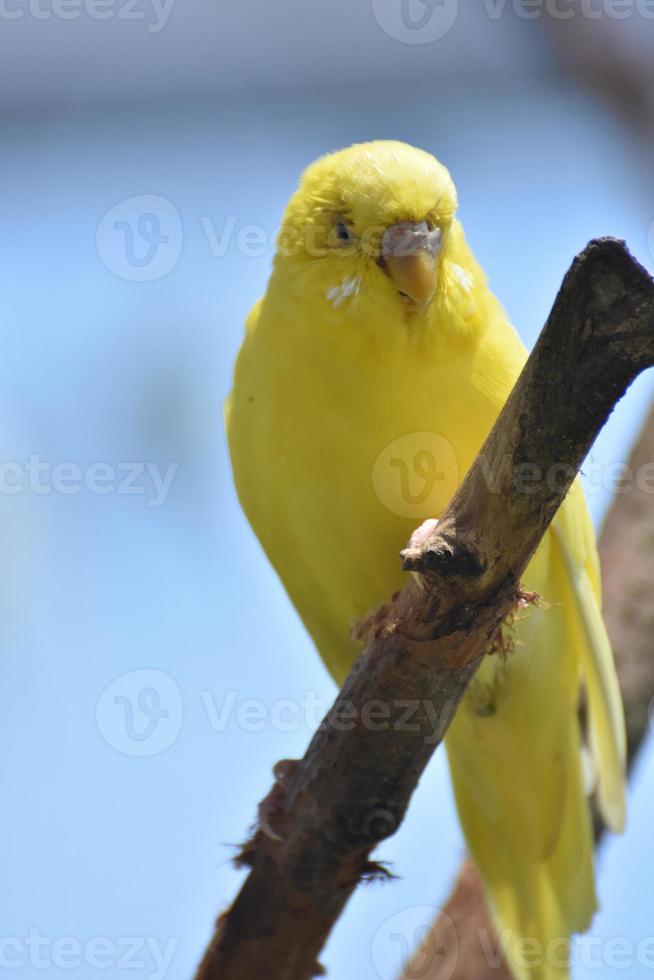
(343, 233)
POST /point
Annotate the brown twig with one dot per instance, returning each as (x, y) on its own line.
(353, 786)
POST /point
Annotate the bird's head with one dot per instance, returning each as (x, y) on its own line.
(373, 219)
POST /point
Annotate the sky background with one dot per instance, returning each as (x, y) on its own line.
(154, 670)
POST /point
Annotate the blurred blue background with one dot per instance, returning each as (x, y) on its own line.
(153, 669)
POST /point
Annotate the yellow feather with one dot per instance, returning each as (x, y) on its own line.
(352, 418)
(606, 719)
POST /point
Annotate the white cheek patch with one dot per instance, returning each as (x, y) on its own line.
(338, 294)
(464, 277)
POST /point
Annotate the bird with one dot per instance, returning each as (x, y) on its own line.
(369, 376)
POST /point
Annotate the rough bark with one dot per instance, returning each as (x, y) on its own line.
(353, 786)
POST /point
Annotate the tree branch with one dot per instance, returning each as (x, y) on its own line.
(354, 784)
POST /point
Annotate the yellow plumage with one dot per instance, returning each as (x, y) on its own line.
(361, 396)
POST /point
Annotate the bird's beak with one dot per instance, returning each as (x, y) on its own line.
(409, 253)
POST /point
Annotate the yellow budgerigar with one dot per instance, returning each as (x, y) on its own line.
(370, 374)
